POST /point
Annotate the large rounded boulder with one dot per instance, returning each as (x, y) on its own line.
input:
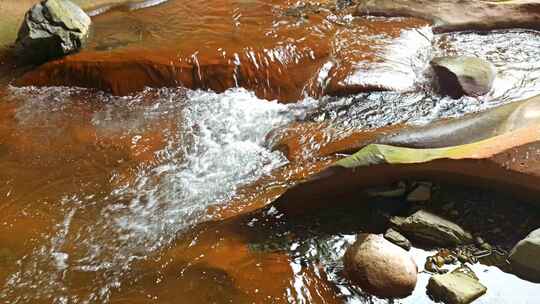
(51, 29)
(380, 267)
(462, 75)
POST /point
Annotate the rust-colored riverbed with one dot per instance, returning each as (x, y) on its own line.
(279, 49)
(162, 195)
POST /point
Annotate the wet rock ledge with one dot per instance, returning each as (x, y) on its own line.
(380, 267)
(496, 150)
(459, 15)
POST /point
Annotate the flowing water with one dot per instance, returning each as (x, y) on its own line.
(141, 199)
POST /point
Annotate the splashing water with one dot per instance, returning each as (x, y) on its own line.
(514, 53)
(219, 147)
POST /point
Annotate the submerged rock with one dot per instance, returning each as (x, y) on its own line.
(524, 257)
(51, 29)
(397, 238)
(380, 267)
(458, 76)
(430, 228)
(460, 286)
(421, 193)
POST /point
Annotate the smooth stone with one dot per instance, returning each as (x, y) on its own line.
(380, 267)
(421, 193)
(397, 238)
(462, 75)
(51, 29)
(460, 286)
(525, 257)
(432, 229)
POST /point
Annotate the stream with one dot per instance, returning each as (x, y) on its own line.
(146, 197)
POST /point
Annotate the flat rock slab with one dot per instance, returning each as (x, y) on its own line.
(459, 15)
(456, 287)
(525, 257)
(438, 134)
(432, 229)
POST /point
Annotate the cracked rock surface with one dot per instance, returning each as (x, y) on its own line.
(51, 29)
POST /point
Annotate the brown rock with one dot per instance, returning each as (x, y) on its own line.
(380, 267)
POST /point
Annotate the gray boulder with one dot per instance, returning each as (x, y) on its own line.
(524, 257)
(380, 267)
(460, 286)
(51, 29)
(431, 229)
(458, 76)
